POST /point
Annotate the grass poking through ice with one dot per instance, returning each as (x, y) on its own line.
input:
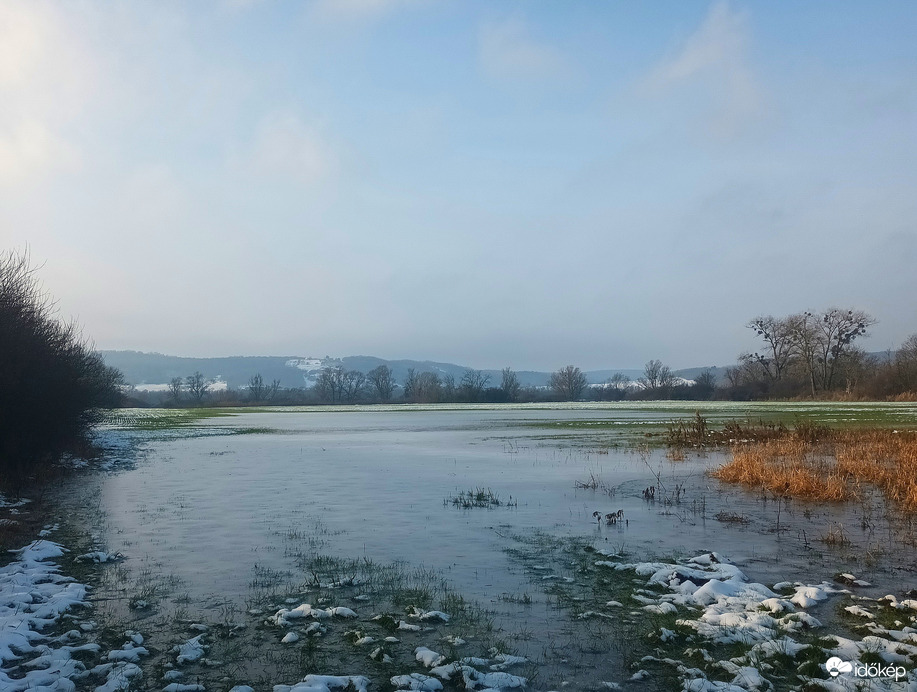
(479, 497)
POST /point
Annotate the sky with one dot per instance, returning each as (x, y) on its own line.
(518, 183)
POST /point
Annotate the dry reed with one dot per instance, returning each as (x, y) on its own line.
(842, 465)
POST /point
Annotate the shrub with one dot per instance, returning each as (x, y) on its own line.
(52, 384)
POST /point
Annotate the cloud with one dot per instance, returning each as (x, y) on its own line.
(713, 60)
(46, 78)
(285, 146)
(32, 149)
(507, 51)
(360, 9)
(233, 6)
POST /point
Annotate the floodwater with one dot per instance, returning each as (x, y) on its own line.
(210, 510)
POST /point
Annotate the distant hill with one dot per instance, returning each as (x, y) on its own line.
(147, 369)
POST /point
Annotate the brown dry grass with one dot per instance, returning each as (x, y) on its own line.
(838, 466)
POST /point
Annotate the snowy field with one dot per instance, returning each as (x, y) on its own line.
(452, 548)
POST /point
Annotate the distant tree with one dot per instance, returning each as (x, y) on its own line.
(734, 376)
(428, 388)
(619, 380)
(53, 385)
(259, 391)
(176, 387)
(448, 390)
(353, 383)
(705, 384)
(382, 382)
(838, 329)
(256, 388)
(271, 393)
(657, 376)
(494, 395)
(510, 385)
(423, 388)
(197, 386)
(329, 386)
(614, 388)
(823, 342)
(906, 364)
(473, 384)
(410, 385)
(780, 345)
(568, 383)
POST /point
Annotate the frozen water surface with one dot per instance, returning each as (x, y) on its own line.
(374, 483)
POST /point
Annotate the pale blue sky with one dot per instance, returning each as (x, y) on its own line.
(490, 183)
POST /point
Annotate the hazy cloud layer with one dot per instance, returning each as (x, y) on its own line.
(508, 51)
(526, 184)
(713, 64)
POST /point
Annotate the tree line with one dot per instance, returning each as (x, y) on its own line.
(818, 355)
(337, 385)
(803, 355)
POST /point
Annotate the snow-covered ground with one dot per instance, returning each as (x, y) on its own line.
(46, 637)
(773, 639)
(218, 385)
(37, 651)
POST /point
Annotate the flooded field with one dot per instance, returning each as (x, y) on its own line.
(375, 542)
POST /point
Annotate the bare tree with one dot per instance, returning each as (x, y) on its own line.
(428, 389)
(657, 375)
(838, 329)
(473, 384)
(568, 383)
(330, 384)
(614, 388)
(824, 341)
(176, 387)
(906, 364)
(705, 384)
(197, 386)
(410, 385)
(780, 345)
(510, 385)
(447, 388)
(271, 392)
(256, 388)
(382, 382)
(735, 376)
(353, 383)
(619, 380)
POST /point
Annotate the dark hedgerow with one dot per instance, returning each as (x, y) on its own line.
(52, 384)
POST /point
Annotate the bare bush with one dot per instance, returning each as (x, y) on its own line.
(52, 383)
